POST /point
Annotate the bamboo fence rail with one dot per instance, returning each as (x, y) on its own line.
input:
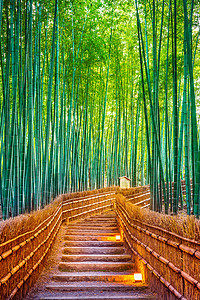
(83, 206)
(25, 256)
(143, 198)
(174, 263)
(21, 257)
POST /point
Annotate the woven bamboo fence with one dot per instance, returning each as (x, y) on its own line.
(86, 206)
(171, 259)
(141, 196)
(21, 257)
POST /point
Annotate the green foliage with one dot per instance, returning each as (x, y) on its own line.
(89, 93)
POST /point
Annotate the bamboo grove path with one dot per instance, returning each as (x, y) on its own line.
(93, 265)
(97, 248)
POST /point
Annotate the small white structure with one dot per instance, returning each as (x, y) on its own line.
(124, 182)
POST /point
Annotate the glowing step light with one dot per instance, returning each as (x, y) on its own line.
(118, 237)
(137, 276)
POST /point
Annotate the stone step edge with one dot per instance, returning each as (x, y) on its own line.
(96, 286)
(71, 237)
(95, 266)
(96, 297)
(90, 233)
(94, 243)
(87, 224)
(92, 248)
(98, 257)
(109, 263)
(93, 230)
(125, 276)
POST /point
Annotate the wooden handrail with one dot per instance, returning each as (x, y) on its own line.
(127, 225)
(31, 232)
(32, 254)
(159, 237)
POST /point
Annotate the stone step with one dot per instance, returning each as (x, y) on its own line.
(97, 257)
(110, 214)
(125, 276)
(95, 286)
(91, 233)
(93, 224)
(98, 219)
(77, 290)
(97, 222)
(93, 244)
(73, 237)
(93, 250)
(106, 219)
(90, 228)
(95, 266)
(99, 296)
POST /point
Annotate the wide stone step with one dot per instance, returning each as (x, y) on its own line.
(78, 230)
(90, 228)
(101, 219)
(97, 290)
(125, 276)
(93, 244)
(95, 286)
(96, 257)
(93, 225)
(99, 296)
(89, 232)
(96, 219)
(93, 250)
(95, 266)
(97, 222)
(108, 214)
(72, 237)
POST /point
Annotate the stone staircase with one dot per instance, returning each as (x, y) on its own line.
(94, 265)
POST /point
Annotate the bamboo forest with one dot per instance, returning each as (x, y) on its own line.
(94, 90)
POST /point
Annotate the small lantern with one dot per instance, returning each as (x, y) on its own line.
(124, 182)
(118, 237)
(137, 276)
